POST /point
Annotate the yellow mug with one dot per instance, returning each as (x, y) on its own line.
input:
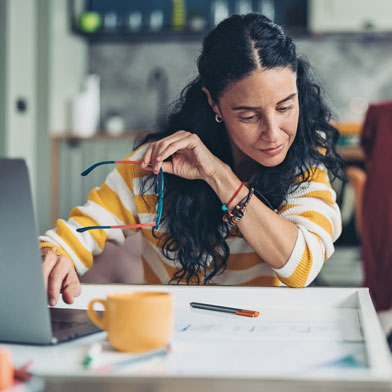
(136, 322)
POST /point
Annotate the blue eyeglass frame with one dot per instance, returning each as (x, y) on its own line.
(159, 190)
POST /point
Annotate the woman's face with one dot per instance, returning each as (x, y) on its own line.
(260, 113)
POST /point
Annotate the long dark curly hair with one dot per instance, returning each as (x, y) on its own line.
(196, 237)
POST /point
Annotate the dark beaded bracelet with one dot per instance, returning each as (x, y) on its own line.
(235, 215)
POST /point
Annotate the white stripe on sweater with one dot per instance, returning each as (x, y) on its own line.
(51, 237)
(117, 184)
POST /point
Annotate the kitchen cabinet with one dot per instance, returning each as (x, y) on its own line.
(162, 20)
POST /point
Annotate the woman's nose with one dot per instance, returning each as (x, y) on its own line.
(270, 129)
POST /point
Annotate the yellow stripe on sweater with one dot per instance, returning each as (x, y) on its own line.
(319, 219)
(320, 175)
(130, 172)
(100, 236)
(300, 275)
(146, 204)
(324, 195)
(314, 175)
(73, 242)
(147, 234)
(263, 281)
(243, 261)
(149, 275)
(58, 249)
(287, 207)
(109, 200)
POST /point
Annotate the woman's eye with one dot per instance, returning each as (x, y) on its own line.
(249, 118)
(284, 109)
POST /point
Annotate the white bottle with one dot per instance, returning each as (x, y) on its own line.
(86, 108)
(220, 11)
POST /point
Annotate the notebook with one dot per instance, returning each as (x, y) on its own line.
(24, 313)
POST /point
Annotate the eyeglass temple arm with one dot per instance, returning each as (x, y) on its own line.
(92, 167)
(83, 229)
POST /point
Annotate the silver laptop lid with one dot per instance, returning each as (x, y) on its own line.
(24, 314)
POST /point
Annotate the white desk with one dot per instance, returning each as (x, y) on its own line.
(295, 344)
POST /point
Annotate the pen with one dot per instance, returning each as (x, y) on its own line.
(142, 357)
(92, 355)
(218, 308)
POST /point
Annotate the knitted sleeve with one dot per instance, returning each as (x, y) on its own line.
(117, 202)
(312, 207)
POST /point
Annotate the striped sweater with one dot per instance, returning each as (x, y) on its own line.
(311, 207)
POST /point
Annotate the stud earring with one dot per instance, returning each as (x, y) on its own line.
(218, 119)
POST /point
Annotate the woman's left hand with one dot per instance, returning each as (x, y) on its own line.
(190, 158)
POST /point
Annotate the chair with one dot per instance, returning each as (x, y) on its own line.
(376, 211)
(357, 178)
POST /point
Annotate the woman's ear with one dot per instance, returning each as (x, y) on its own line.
(211, 102)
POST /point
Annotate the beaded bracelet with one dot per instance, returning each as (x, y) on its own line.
(224, 206)
(235, 215)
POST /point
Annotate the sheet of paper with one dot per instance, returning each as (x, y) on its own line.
(282, 324)
(281, 342)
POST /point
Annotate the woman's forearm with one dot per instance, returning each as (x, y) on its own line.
(271, 236)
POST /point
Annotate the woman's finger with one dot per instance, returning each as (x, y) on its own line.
(47, 266)
(71, 287)
(150, 160)
(189, 141)
(168, 167)
(154, 147)
(165, 143)
(56, 278)
(146, 161)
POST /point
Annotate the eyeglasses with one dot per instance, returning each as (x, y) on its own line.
(159, 186)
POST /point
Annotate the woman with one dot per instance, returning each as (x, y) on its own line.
(246, 153)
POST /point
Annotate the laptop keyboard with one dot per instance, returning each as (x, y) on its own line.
(68, 323)
(61, 325)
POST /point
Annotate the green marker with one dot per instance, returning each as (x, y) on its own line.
(92, 355)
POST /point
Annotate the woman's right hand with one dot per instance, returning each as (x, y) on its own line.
(189, 157)
(60, 277)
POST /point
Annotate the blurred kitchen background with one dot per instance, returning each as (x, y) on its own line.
(79, 80)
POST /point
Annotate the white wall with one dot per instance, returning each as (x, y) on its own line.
(20, 132)
(43, 63)
(68, 64)
(3, 85)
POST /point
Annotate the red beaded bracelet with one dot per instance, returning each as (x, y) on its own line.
(224, 206)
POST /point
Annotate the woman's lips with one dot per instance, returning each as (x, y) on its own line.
(272, 151)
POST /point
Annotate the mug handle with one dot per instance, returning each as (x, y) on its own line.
(97, 320)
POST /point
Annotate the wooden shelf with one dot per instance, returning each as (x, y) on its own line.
(143, 36)
(348, 128)
(100, 135)
(352, 154)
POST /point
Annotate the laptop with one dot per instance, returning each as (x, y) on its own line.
(24, 313)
